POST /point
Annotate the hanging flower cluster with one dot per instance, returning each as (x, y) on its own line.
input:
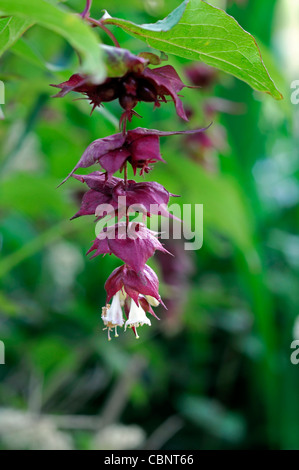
(133, 288)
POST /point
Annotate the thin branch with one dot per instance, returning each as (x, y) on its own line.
(126, 185)
(126, 174)
(107, 31)
(87, 8)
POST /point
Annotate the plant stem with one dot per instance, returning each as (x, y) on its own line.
(126, 184)
(87, 8)
(107, 31)
(126, 174)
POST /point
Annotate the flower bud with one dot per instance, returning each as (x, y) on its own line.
(152, 301)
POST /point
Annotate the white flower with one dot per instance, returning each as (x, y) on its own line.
(112, 315)
(137, 317)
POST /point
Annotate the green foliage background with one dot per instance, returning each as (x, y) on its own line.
(216, 375)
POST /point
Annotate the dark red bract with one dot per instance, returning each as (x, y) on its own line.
(149, 85)
(146, 197)
(144, 282)
(133, 243)
(140, 147)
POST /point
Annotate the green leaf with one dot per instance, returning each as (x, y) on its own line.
(26, 51)
(162, 25)
(23, 50)
(66, 24)
(10, 31)
(210, 35)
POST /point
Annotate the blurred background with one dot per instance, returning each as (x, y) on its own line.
(215, 372)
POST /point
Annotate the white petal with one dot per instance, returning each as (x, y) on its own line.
(137, 316)
(113, 315)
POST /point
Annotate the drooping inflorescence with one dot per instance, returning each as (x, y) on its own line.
(133, 288)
